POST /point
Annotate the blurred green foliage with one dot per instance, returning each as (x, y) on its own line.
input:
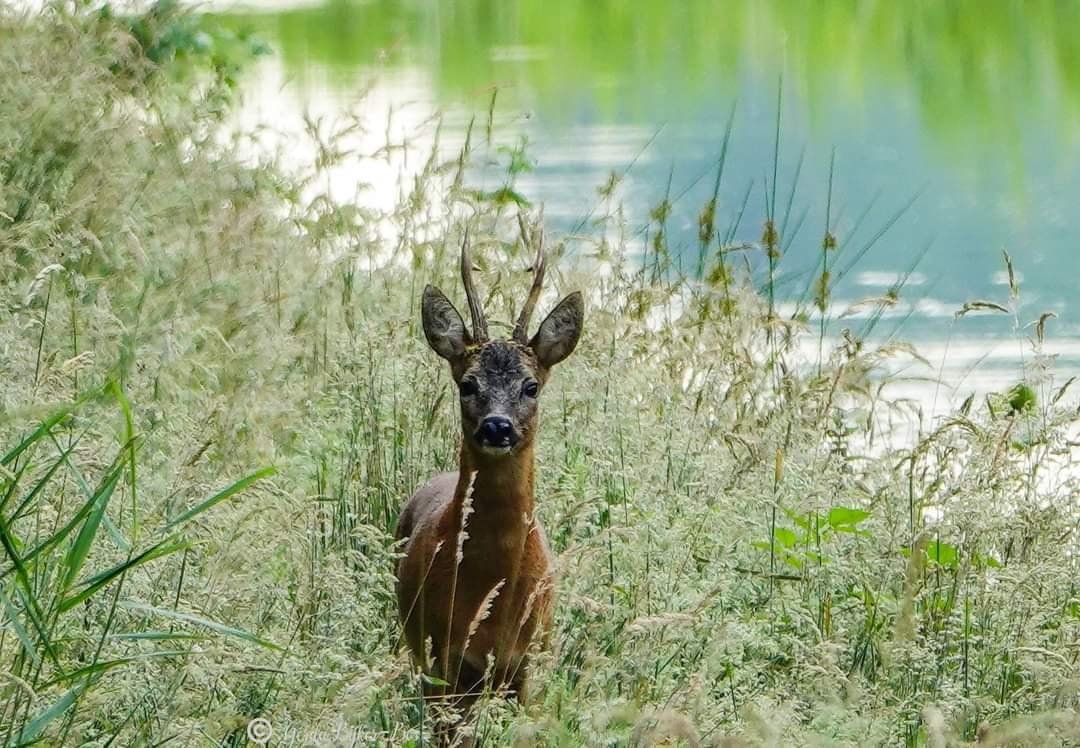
(174, 40)
(969, 64)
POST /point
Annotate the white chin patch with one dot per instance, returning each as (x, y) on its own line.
(491, 451)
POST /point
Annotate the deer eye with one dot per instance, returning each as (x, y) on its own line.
(468, 387)
(530, 389)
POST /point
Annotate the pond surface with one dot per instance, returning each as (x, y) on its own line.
(955, 128)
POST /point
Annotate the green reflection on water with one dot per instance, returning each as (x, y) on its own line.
(978, 101)
(978, 69)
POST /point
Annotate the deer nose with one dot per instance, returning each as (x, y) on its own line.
(496, 431)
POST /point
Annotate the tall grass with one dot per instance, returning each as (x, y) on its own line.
(216, 398)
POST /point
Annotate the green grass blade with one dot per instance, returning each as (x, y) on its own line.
(42, 482)
(58, 537)
(101, 667)
(80, 548)
(884, 229)
(129, 440)
(102, 579)
(204, 622)
(37, 434)
(110, 527)
(32, 732)
(114, 533)
(24, 588)
(217, 498)
(33, 612)
(11, 546)
(156, 636)
(20, 630)
(13, 484)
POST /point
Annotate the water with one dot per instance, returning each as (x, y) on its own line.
(972, 108)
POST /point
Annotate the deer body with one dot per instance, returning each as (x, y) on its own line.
(476, 580)
(506, 556)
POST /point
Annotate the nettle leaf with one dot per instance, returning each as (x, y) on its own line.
(942, 554)
(845, 519)
(802, 520)
(785, 537)
(793, 561)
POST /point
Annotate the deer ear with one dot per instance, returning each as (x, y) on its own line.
(443, 326)
(559, 332)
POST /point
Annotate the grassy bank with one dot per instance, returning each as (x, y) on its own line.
(216, 396)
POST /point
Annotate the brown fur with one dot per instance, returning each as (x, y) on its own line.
(505, 544)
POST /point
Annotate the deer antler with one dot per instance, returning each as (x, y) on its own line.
(521, 329)
(476, 309)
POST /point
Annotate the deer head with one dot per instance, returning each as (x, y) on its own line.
(499, 381)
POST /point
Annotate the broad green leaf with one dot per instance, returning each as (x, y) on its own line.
(990, 561)
(1021, 397)
(801, 520)
(793, 561)
(198, 621)
(217, 498)
(942, 553)
(785, 537)
(502, 196)
(845, 517)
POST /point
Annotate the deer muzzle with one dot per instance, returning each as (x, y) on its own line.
(497, 435)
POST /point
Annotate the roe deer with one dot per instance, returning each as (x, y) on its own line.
(476, 577)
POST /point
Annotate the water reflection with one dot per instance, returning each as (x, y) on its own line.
(972, 105)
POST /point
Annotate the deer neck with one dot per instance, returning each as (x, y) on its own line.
(501, 497)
